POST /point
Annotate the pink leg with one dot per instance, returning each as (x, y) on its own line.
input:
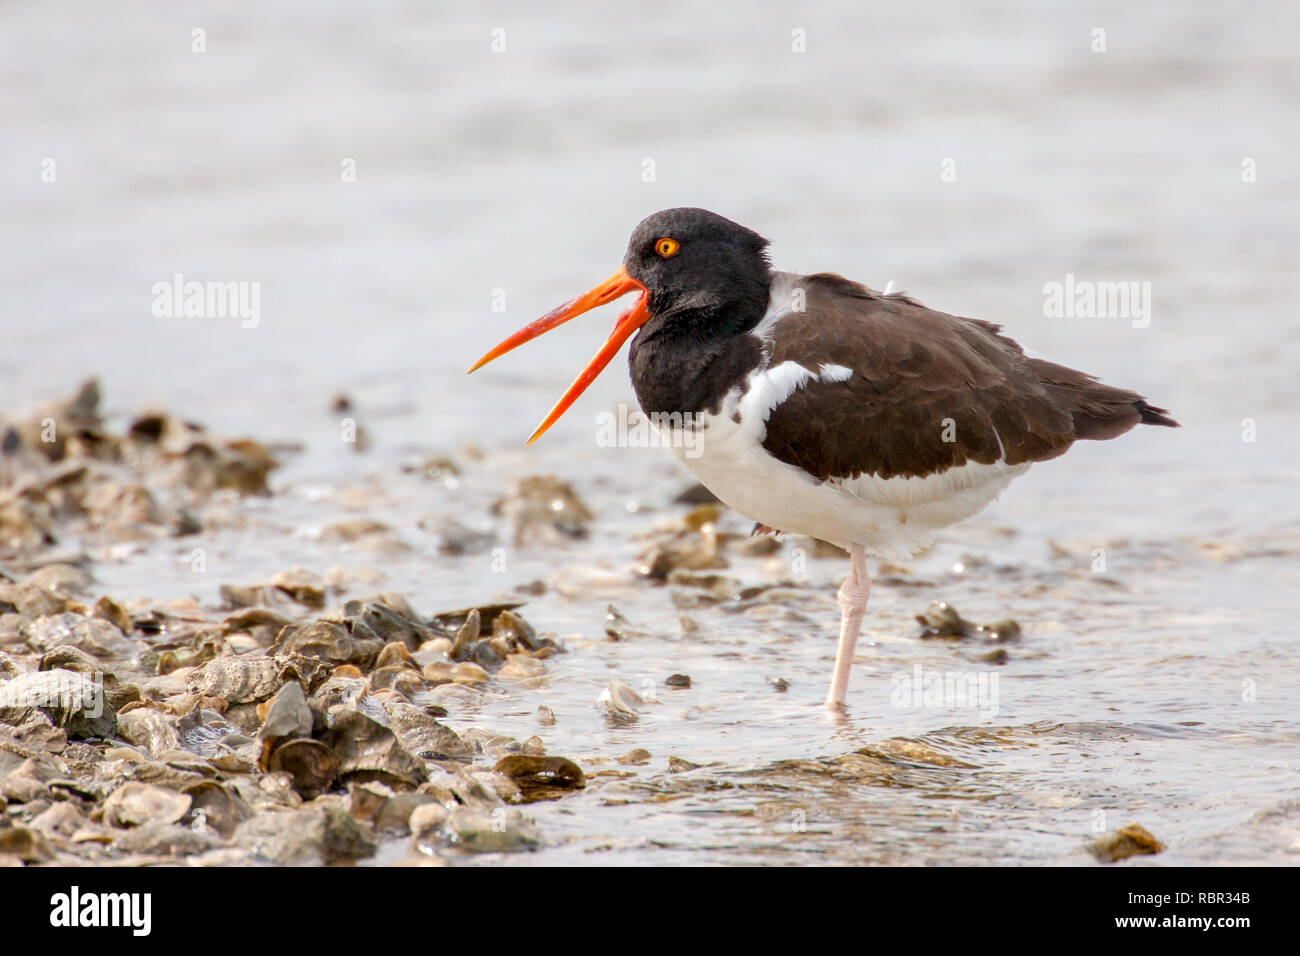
(853, 604)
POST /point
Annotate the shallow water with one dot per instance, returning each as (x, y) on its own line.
(1162, 690)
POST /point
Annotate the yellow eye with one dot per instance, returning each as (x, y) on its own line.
(667, 247)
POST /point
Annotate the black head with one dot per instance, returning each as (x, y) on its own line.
(704, 279)
(695, 261)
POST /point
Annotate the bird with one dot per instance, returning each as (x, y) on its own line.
(813, 404)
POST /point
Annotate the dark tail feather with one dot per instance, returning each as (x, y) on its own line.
(1154, 416)
(1098, 411)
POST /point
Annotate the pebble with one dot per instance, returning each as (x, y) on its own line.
(1131, 840)
(619, 701)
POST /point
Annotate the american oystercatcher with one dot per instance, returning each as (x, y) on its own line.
(822, 407)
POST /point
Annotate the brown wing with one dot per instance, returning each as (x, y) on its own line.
(929, 391)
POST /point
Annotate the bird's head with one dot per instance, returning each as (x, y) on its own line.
(688, 265)
(695, 261)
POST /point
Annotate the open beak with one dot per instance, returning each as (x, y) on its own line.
(619, 284)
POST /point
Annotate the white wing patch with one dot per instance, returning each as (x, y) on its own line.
(777, 384)
(770, 387)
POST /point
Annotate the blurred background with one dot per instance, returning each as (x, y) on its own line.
(524, 170)
(502, 153)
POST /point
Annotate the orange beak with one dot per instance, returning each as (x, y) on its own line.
(619, 284)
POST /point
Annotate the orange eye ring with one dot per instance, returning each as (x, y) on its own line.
(667, 248)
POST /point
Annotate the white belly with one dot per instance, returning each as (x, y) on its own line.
(891, 517)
